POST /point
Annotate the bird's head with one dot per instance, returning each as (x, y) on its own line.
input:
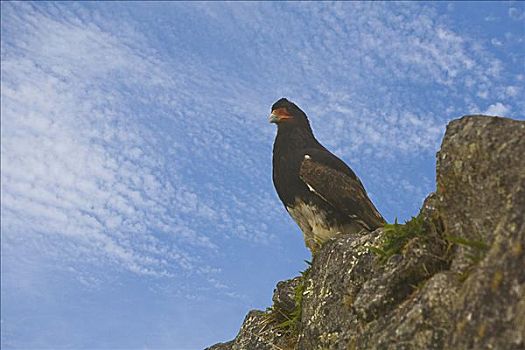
(286, 114)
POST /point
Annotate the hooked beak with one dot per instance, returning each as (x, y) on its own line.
(274, 118)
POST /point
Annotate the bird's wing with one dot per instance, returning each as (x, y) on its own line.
(332, 180)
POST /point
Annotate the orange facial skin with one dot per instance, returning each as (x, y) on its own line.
(281, 114)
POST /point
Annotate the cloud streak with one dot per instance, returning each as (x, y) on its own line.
(135, 148)
(82, 167)
(105, 143)
(378, 78)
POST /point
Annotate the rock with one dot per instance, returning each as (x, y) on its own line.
(284, 299)
(338, 272)
(458, 283)
(481, 199)
(221, 346)
(255, 333)
(354, 299)
(261, 330)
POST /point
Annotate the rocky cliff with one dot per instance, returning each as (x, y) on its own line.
(451, 278)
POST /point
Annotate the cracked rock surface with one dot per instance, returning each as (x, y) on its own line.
(459, 286)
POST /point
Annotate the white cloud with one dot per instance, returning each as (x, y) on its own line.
(491, 18)
(496, 42)
(354, 65)
(83, 168)
(516, 14)
(498, 109)
(378, 81)
(484, 94)
(134, 138)
(153, 159)
(512, 91)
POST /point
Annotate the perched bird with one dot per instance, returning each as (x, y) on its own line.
(320, 192)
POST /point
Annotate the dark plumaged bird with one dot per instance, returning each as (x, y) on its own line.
(320, 192)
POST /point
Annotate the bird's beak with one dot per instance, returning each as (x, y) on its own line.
(274, 118)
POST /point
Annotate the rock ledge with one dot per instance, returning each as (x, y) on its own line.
(459, 285)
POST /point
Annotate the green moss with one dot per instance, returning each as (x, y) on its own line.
(293, 319)
(476, 251)
(476, 248)
(396, 236)
(472, 243)
(291, 325)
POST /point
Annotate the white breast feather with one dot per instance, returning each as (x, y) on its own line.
(313, 222)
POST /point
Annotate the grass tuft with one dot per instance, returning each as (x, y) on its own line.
(396, 236)
(477, 250)
(292, 319)
(291, 325)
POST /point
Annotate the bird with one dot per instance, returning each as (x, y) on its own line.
(321, 193)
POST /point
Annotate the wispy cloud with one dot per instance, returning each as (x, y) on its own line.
(74, 163)
(379, 81)
(106, 144)
(84, 167)
(134, 139)
(516, 14)
(373, 78)
(498, 109)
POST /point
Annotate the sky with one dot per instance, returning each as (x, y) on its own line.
(137, 206)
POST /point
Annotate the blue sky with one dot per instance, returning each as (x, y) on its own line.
(137, 205)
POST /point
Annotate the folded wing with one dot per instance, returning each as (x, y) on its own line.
(332, 180)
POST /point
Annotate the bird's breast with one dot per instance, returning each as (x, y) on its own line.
(315, 223)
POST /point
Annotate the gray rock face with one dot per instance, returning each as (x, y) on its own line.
(481, 198)
(458, 285)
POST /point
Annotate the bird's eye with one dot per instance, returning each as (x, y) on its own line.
(282, 112)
